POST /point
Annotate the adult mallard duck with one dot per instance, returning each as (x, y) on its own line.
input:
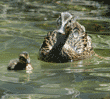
(23, 63)
(68, 42)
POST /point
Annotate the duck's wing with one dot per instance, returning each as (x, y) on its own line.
(78, 44)
(48, 43)
(51, 49)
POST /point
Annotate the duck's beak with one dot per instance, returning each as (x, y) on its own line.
(62, 30)
(65, 17)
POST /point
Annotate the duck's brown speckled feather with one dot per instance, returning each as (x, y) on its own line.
(68, 42)
(74, 43)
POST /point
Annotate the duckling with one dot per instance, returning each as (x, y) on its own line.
(69, 42)
(23, 63)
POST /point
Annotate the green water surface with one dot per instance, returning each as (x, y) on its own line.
(23, 26)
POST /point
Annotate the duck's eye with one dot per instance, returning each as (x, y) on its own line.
(59, 21)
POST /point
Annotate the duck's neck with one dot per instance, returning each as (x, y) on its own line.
(61, 39)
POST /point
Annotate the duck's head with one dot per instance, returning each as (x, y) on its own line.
(24, 57)
(63, 22)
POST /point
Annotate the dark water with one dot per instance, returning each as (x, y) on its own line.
(23, 26)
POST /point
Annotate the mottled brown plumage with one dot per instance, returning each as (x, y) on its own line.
(71, 44)
(23, 63)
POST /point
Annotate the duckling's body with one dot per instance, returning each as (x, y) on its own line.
(72, 43)
(23, 63)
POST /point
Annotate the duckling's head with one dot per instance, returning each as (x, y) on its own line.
(24, 57)
(63, 22)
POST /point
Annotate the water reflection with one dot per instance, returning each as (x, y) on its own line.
(14, 77)
(49, 80)
(23, 26)
(31, 96)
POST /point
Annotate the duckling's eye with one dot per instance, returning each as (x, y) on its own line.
(22, 58)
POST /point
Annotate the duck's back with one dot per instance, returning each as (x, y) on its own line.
(12, 64)
(77, 46)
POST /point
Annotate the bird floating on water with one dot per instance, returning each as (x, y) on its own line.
(68, 42)
(23, 63)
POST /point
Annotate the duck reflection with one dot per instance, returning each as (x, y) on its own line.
(23, 63)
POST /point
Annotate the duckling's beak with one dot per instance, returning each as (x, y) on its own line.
(65, 17)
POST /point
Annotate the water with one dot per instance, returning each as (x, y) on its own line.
(23, 26)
